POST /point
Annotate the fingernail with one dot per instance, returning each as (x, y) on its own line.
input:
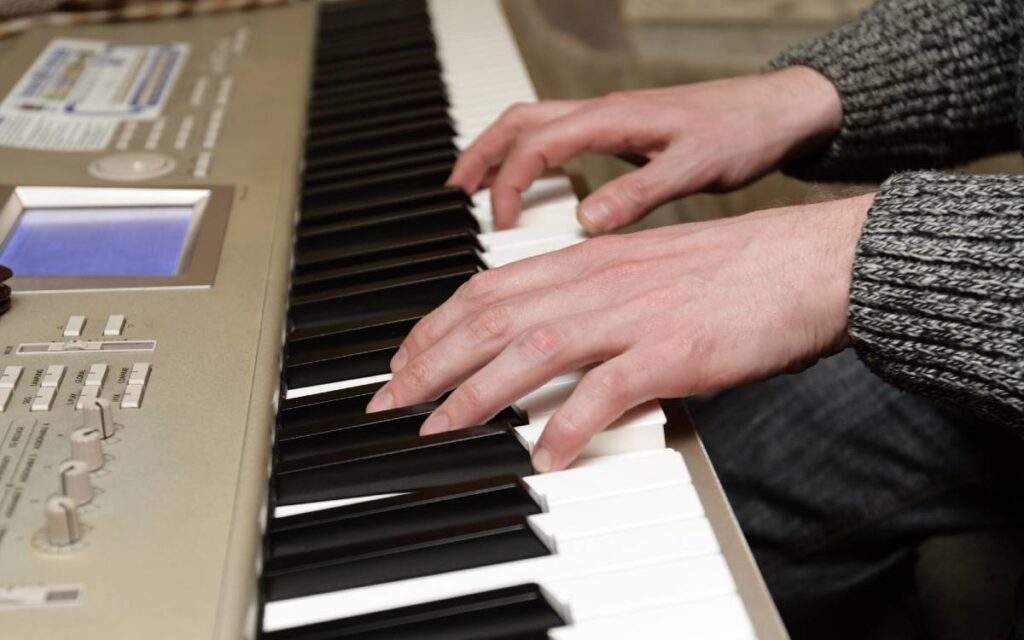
(596, 215)
(541, 460)
(436, 423)
(381, 401)
(399, 360)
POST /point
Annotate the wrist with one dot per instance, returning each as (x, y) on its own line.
(809, 108)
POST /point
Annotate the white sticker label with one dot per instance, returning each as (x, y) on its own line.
(77, 91)
(54, 595)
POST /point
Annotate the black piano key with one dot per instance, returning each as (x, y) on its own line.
(301, 442)
(400, 558)
(403, 38)
(383, 203)
(414, 294)
(351, 230)
(348, 362)
(328, 162)
(418, 179)
(379, 270)
(407, 514)
(326, 114)
(328, 77)
(339, 435)
(408, 465)
(378, 167)
(454, 239)
(400, 133)
(330, 405)
(513, 613)
(369, 123)
(362, 15)
(419, 61)
(373, 89)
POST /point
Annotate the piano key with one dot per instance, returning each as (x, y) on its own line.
(326, 406)
(355, 157)
(444, 458)
(689, 540)
(338, 566)
(411, 513)
(406, 180)
(396, 134)
(334, 436)
(405, 161)
(378, 270)
(502, 613)
(372, 122)
(367, 303)
(479, 544)
(721, 617)
(384, 203)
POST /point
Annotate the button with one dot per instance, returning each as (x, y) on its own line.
(132, 397)
(9, 378)
(54, 374)
(87, 396)
(62, 525)
(73, 327)
(43, 399)
(5, 396)
(132, 166)
(96, 376)
(139, 374)
(114, 326)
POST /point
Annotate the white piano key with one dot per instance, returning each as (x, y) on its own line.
(571, 521)
(302, 392)
(639, 429)
(608, 552)
(640, 588)
(608, 475)
(497, 258)
(721, 617)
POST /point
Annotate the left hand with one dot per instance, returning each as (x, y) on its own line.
(668, 313)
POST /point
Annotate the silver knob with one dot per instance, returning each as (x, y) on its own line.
(62, 525)
(87, 446)
(75, 482)
(99, 415)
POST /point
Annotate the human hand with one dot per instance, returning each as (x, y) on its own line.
(710, 136)
(663, 313)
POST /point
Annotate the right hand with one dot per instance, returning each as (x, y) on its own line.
(710, 136)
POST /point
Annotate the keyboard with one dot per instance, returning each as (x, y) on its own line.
(186, 448)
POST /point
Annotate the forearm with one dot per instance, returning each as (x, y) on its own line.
(937, 300)
(923, 83)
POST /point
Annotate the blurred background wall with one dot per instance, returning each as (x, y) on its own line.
(585, 48)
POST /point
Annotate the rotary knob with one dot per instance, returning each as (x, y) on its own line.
(75, 482)
(62, 525)
(87, 446)
(99, 415)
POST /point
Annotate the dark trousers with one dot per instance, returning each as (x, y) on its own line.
(838, 479)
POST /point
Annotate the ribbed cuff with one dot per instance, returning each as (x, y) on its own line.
(924, 84)
(937, 300)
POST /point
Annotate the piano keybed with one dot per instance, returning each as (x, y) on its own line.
(376, 532)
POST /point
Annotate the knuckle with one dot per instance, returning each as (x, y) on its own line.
(543, 342)
(635, 190)
(481, 287)
(568, 432)
(473, 394)
(418, 373)
(609, 384)
(514, 112)
(491, 323)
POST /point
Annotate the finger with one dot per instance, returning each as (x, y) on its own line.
(489, 149)
(489, 288)
(628, 198)
(540, 354)
(601, 397)
(598, 128)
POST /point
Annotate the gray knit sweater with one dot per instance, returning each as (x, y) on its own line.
(937, 302)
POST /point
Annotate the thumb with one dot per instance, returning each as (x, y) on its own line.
(630, 197)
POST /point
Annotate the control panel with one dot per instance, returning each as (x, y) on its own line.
(150, 233)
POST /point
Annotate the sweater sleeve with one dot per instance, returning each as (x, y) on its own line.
(923, 83)
(937, 301)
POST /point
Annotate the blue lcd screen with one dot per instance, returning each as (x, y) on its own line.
(96, 241)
